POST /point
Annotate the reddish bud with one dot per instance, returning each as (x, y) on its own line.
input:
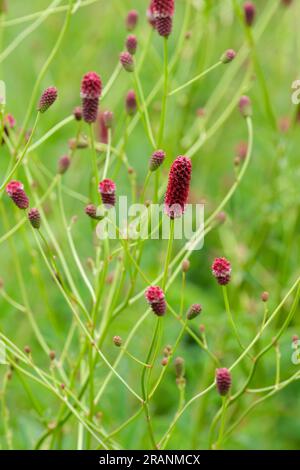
(221, 269)
(77, 113)
(245, 106)
(52, 355)
(91, 211)
(132, 19)
(223, 381)
(127, 62)
(156, 160)
(47, 99)
(178, 187)
(156, 299)
(185, 265)
(265, 296)
(194, 311)
(131, 103)
(131, 44)
(63, 164)
(108, 119)
(249, 13)
(34, 217)
(228, 56)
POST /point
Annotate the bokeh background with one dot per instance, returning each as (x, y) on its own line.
(260, 235)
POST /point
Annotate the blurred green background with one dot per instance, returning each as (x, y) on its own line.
(260, 235)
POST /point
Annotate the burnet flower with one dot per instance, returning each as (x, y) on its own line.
(221, 270)
(15, 190)
(107, 190)
(156, 299)
(163, 14)
(178, 187)
(223, 381)
(47, 99)
(91, 89)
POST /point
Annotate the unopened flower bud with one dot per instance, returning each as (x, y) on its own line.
(265, 296)
(117, 340)
(63, 164)
(34, 218)
(228, 56)
(77, 113)
(127, 62)
(131, 44)
(108, 118)
(185, 265)
(245, 106)
(47, 99)
(179, 366)
(223, 381)
(132, 19)
(52, 355)
(194, 311)
(157, 160)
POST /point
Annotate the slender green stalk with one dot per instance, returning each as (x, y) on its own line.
(195, 79)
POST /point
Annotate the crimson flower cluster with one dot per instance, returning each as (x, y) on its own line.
(156, 299)
(221, 269)
(178, 187)
(91, 89)
(163, 12)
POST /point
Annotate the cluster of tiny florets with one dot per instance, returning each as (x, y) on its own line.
(178, 187)
(221, 270)
(156, 299)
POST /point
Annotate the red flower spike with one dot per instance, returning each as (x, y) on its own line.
(164, 26)
(157, 160)
(34, 218)
(107, 190)
(221, 270)
(91, 86)
(223, 381)
(77, 113)
(47, 99)
(132, 19)
(178, 187)
(131, 44)
(156, 299)
(90, 109)
(131, 103)
(15, 190)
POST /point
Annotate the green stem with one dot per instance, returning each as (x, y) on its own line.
(195, 79)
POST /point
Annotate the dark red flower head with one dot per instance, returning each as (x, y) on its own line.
(157, 159)
(91, 86)
(178, 186)
(164, 25)
(221, 269)
(131, 44)
(63, 164)
(131, 102)
(223, 381)
(156, 299)
(34, 218)
(249, 12)
(132, 19)
(47, 99)
(15, 190)
(194, 311)
(127, 62)
(107, 189)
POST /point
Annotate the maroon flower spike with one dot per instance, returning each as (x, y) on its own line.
(15, 191)
(132, 19)
(249, 12)
(126, 60)
(157, 159)
(34, 218)
(91, 89)
(223, 381)
(178, 187)
(228, 56)
(163, 14)
(91, 211)
(156, 299)
(194, 311)
(245, 106)
(91, 86)
(77, 113)
(221, 269)
(107, 189)
(131, 103)
(47, 99)
(131, 44)
(151, 14)
(63, 164)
